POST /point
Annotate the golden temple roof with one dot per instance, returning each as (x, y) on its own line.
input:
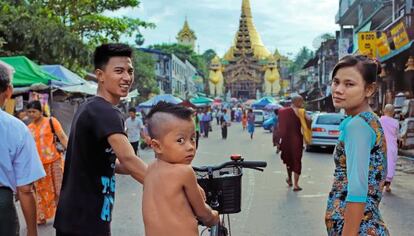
(186, 32)
(247, 39)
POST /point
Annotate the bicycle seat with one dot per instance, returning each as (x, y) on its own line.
(235, 157)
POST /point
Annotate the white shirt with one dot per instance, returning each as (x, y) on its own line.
(134, 127)
(19, 160)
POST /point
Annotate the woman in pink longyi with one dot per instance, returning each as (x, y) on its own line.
(390, 127)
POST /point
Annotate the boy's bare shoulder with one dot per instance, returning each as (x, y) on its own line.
(172, 170)
(183, 170)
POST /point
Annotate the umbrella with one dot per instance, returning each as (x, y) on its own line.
(273, 106)
(249, 102)
(164, 97)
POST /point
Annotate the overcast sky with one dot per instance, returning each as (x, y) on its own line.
(283, 24)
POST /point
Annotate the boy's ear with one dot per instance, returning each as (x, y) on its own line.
(155, 144)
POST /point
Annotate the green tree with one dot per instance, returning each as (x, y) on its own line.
(301, 58)
(86, 18)
(36, 33)
(208, 55)
(61, 32)
(183, 52)
(145, 78)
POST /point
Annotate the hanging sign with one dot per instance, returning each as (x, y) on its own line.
(367, 43)
(383, 48)
(399, 35)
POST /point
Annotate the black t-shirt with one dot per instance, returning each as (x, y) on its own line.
(88, 187)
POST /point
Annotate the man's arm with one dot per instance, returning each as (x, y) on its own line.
(120, 169)
(28, 204)
(130, 163)
(203, 211)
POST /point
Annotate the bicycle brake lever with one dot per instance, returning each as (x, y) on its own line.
(256, 168)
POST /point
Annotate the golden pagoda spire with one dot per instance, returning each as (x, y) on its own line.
(186, 36)
(246, 8)
(247, 40)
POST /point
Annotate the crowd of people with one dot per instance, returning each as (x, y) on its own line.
(78, 191)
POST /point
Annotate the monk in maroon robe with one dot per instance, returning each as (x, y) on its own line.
(291, 141)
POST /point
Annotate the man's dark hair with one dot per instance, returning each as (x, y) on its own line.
(132, 109)
(104, 52)
(4, 78)
(178, 111)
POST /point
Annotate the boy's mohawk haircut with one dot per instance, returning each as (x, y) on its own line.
(178, 111)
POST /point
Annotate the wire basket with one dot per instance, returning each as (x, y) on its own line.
(226, 185)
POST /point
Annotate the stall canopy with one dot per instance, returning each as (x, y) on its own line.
(156, 99)
(70, 82)
(67, 77)
(201, 101)
(261, 103)
(27, 72)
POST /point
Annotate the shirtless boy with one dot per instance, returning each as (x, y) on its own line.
(172, 202)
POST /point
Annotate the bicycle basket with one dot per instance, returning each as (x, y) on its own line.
(226, 185)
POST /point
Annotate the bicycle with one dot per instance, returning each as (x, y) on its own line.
(222, 185)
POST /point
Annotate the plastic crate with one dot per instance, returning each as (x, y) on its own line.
(227, 184)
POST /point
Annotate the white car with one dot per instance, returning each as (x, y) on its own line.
(325, 130)
(259, 117)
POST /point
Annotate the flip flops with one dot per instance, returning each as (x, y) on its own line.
(297, 189)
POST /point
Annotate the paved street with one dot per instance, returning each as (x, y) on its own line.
(269, 207)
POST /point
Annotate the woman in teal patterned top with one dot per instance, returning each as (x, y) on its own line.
(360, 155)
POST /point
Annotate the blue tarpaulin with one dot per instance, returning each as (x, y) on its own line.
(154, 100)
(261, 103)
(67, 77)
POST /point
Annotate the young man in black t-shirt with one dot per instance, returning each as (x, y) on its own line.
(98, 148)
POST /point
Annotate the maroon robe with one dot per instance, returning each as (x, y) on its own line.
(291, 146)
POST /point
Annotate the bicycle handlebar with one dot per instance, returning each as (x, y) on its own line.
(245, 164)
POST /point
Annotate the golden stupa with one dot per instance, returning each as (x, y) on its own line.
(247, 32)
(248, 67)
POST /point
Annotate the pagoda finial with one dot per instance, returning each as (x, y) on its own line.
(246, 10)
(186, 36)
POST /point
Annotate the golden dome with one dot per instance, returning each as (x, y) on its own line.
(252, 38)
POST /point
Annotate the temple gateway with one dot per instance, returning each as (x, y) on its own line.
(247, 68)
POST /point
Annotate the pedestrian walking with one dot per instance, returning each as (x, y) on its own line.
(98, 147)
(205, 123)
(390, 127)
(244, 120)
(219, 115)
(291, 139)
(250, 122)
(134, 128)
(275, 134)
(197, 127)
(20, 165)
(360, 155)
(225, 122)
(45, 130)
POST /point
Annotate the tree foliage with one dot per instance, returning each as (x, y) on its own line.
(301, 58)
(145, 78)
(61, 32)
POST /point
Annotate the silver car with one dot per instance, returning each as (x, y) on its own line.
(325, 130)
